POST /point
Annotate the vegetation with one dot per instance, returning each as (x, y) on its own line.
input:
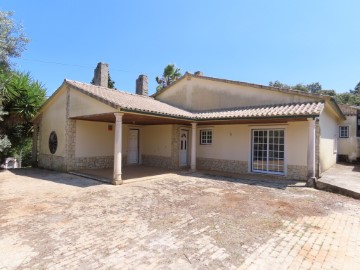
(20, 95)
(351, 98)
(171, 74)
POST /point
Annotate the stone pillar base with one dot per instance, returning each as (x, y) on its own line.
(117, 181)
(311, 182)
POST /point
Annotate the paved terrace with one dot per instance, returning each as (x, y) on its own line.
(51, 220)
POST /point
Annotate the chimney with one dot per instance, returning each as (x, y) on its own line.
(198, 73)
(101, 74)
(142, 85)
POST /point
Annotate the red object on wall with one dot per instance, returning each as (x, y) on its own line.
(110, 127)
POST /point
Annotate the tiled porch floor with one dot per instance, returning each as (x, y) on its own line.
(132, 173)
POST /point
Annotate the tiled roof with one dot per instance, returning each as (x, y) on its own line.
(282, 110)
(348, 109)
(138, 103)
(128, 101)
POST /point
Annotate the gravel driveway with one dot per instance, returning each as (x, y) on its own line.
(51, 220)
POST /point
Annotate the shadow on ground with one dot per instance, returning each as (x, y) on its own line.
(252, 180)
(56, 177)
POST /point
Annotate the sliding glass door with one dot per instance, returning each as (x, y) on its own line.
(268, 151)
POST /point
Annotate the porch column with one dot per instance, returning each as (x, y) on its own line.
(193, 146)
(35, 144)
(311, 149)
(118, 150)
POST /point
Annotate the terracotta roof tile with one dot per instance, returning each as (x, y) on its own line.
(349, 109)
(283, 110)
(128, 101)
(138, 103)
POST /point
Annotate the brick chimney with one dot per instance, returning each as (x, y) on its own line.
(142, 85)
(101, 74)
(199, 73)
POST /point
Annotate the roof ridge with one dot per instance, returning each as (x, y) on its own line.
(266, 87)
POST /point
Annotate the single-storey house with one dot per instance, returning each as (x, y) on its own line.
(197, 122)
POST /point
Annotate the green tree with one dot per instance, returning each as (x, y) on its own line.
(12, 39)
(171, 74)
(279, 84)
(4, 141)
(314, 87)
(27, 95)
(356, 89)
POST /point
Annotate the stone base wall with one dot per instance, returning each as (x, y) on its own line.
(51, 162)
(231, 166)
(94, 162)
(158, 161)
(297, 172)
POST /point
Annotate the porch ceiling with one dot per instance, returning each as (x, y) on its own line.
(143, 119)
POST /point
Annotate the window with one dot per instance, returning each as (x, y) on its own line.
(206, 136)
(268, 151)
(53, 142)
(344, 131)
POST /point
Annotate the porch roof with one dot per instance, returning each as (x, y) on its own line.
(128, 102)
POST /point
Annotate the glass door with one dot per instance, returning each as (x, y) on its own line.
(268, 151)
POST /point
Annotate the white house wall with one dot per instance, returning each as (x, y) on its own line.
(53, 119)
(231, 148)
(349, 146)
(81, 104)
(328, 139)
(157, 148)
(203, 94)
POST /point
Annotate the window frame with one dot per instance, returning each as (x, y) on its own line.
(347, 132)
(206, 140)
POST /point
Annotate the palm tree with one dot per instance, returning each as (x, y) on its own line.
(22, 96)
(171, 74)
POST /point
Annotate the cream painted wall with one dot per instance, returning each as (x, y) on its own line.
(349, 146)
(297, 143)
(81, 104)
(202, 94)
(233, 142)
(94, 139)
(156, 140)
(53, 119)
(229, 142)
(328, 139)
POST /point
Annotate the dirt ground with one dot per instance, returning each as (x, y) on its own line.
(51, 220)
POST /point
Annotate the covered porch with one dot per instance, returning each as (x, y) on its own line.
(139, 146)
(130, 173)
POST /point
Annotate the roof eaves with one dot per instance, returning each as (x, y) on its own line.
(336, 107)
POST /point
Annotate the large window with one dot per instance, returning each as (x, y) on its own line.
(344, 131)
(206, 136)
(268, 151)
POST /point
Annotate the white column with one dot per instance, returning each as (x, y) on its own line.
(193, 146)
(311, 149)
(118, 150)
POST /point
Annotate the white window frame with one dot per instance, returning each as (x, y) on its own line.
(206, 140)
(267, 171)
(347, 129)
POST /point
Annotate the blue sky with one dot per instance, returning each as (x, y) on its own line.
(254, 41)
